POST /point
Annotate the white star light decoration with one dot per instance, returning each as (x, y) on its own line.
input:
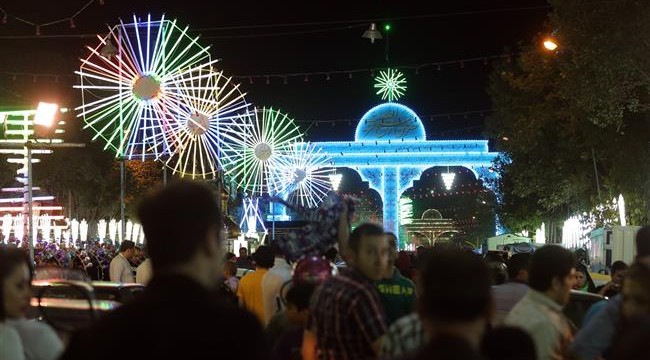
(391, 84)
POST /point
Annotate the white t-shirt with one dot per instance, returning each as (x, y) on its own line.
(272, 283)
(11, 347)
(40, 341)
(120, 270)
(143, 273)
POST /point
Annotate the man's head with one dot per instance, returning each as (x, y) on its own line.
(264, 257)
(298, 297)
(618, 272)
(277, 251)
(445, 302)
(243, 252)
(643, 244)
(518, 266)
(552, 272)
(369, 251)
(127, 249)
(636, 291)
(182, 223)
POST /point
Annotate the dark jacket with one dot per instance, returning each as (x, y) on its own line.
(174, 318)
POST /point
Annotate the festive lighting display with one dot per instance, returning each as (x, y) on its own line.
(260, 149)
(128, 99)
(621, 210)
(209, 107)
(303, 177)
(19, 128)
(390, 151)
(335, 179)
(391, 84)
(448, 179)
(252, 223)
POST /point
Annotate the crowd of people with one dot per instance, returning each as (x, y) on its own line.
(376, 302)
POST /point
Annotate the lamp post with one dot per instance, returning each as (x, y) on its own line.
(42, 145)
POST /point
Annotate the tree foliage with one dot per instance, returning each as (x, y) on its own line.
(562, 117)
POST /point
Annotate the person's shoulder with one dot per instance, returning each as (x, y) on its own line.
(8, 334)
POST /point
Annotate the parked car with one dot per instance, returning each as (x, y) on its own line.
(67, 303)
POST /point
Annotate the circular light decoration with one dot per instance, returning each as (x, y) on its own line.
(260, 149)
(129, 83)
(304, 176)
(210, 113)
(391, 84)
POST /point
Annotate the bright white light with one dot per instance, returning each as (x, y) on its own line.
(335, 179)
(112, 229)
(19, 230)
(574, 234)
(129, 229)
(6, 227)
(74, 228)
(251, 218)
(135, 232)
(621, 210)
(57, 233)
(45, 114)
(448, 179)
(101, 230)
(46, 226)
(83, 230)
(550, 44)
(540, 234)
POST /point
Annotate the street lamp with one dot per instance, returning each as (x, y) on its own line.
(550, 44)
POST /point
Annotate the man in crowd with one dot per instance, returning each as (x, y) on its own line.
(182, 224)
(250, 293)
(272, 283)
(595, 338)
(244, 261)
(346, 317)
(120, 269)
(396, 292)
(551, 276)
(613, 287)
(454, 314)
(507, 295)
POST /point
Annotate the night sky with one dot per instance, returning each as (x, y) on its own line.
(253, 41)
(421, 34)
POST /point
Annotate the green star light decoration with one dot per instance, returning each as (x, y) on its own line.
(391, 84)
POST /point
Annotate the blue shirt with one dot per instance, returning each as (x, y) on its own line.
(596, 336)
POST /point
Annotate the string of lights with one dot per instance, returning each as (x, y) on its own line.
(302, 76)
(38, 26)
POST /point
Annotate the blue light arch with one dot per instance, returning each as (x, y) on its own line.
(390, 151)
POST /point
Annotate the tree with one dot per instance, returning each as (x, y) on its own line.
(574, 123)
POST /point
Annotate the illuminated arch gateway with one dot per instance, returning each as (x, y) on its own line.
(390, 150)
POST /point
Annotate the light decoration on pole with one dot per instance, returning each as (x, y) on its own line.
(211, 112)
(303, 177)
(336, 179)
(6, 227)
(22, 127)
(391, 84)
(260, 149)
(74, 229)
(112, 230)
(128, 99)
(101, 230)
(83, 230)
(621, 210)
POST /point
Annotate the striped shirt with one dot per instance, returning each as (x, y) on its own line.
(347, 317)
